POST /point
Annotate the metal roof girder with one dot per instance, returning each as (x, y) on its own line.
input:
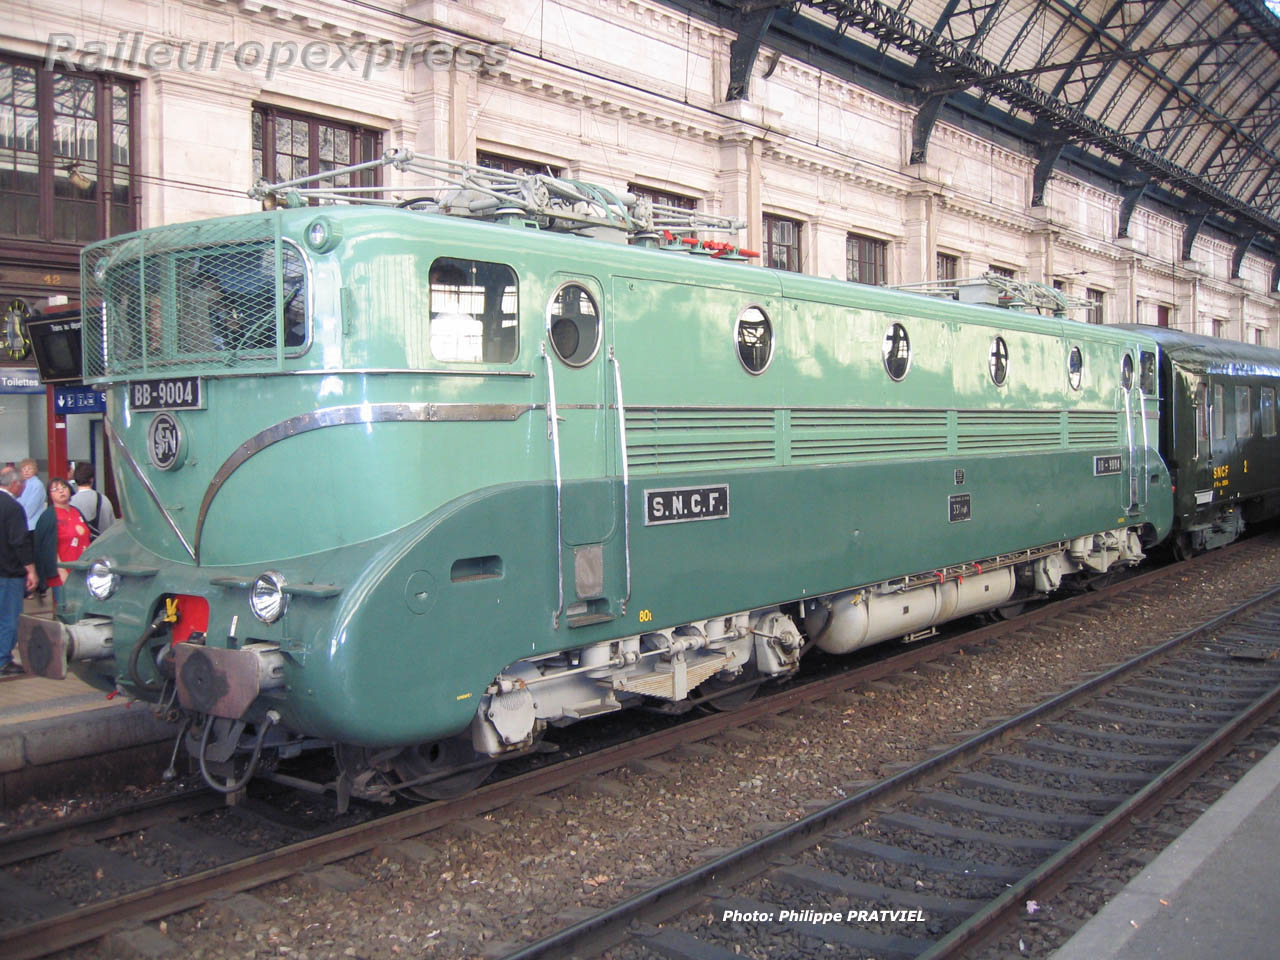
(1241, 248)
(752, 23)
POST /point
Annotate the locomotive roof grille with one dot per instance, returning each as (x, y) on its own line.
(437, 185)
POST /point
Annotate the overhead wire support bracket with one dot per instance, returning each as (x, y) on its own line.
(436, 185)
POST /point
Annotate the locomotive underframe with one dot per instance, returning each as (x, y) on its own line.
(672, 664)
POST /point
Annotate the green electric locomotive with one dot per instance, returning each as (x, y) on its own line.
(415, 479)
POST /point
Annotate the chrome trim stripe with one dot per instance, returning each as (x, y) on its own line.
(328, 372)
(359, 413)
(553, 431)
(626, 476)
(123, 451)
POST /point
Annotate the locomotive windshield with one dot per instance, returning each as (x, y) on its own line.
(167, 305)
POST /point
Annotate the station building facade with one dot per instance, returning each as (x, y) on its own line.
(131, 113)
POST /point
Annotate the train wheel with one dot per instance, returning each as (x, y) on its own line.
(1010, 611)
(721, 696)
(1182, 549)
(453, 766)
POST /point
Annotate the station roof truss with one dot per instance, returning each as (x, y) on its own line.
(1177, 99)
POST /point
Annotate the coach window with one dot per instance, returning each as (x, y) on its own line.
(573, 324)
(1148, 373)
(1219, 412)
(473, 311)
(754, 336)
(897, 352)
(1244, 412)
(1126, 371)
(998, 362)
(1267, 410)
(1075, 368)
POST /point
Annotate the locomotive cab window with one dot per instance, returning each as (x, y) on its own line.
(897, 352)
(473, 311)
(1126, 371)
(1075, 368)
(573, 324)
(754, 336)
(1267, 410)
(1148, 373)
(998, 361)
(206, 305)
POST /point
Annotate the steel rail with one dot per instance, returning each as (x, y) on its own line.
(595, 934)
(1052, 875)
(79, 926)
(38, 841)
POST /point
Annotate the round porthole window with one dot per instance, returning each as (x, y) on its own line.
(573, 324)
(754, 336)
(897, 352)
(998, 362)
(1075, 368)
(1126, 371)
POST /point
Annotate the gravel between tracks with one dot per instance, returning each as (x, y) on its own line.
(520, 871)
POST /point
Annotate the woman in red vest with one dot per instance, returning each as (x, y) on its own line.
(61, 535)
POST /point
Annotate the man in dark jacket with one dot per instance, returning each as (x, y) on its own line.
(17, 565)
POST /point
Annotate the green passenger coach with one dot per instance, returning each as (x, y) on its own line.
(415, 480)
(1218, 436)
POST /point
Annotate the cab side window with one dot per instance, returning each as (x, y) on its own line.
(1148, 373)
(474, 315)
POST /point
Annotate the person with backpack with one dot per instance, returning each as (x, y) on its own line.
(61, 534)
(96, 508)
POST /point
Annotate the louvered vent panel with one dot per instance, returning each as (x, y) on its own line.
(835, 436)
(1001, 431)
(1092, 428)
(662, 441)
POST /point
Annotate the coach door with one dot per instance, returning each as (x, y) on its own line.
(582, 423)
(1210, 426)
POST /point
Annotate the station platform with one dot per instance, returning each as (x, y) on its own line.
(59, 732)
(1211, 894)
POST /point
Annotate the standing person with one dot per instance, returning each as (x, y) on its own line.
(32, 501)
(61, 535)
(17, 567)
(96, 508)
(33, 495)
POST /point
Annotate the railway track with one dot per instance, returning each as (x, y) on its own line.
(936, 859)
(138, 897)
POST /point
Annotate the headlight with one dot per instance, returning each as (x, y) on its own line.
(100, 580)
(323, 235)
(267, 599)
